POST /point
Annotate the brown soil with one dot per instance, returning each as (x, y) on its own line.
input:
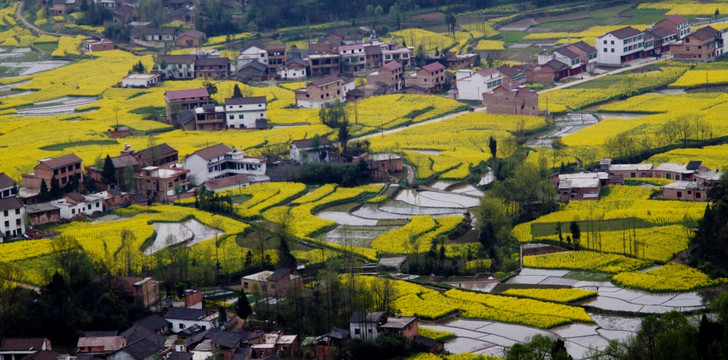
(428, 16)
(548, 249)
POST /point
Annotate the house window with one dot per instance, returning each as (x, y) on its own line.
(17, 211)
(245, 285)
(181, 326)
(7, 223)
(667, 176)
(632, 175)
(679, 194)
(231, 117)
(612, 50)
(697, 195)
(17, 221)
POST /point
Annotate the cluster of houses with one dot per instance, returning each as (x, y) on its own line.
(192, 109)
(692, 181)
(185, 330)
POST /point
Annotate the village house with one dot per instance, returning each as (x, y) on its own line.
(42, 213)
(143, 349)
(471, 85)
(630, 171)
(8, 186)
(271, 283)
(153, 37)
(274, 343)
(324, 63)
(428, 79)
(138, 290)
(96, 43)
(276, 55)
(246, 113)
(430, 345)
(212, 67)
(191, 38)
(672, 171)
(163, 183)
(384, 164)
(141, 80)
(124, 14)
(66, 169)
(373, 56)
(99, 345)
(705, 44)
(677, 24)
(511, 98)
(684, 190)
(209, 117)
(219, 161)
(326, 346)
(252, 52)
(179, 100)
(220, 342)
(353, 58)
(658, 41)
(252, 71)
(453, 60)
(511, 73)
(158, 155)
(183, 318)
(400, 325)
(322, 92)
(551, 71)
(60, 7)
(708, 177)
(587, 55)
(295, 68)
(12, 218)
(74, 204)
(303, 151)
(119, 132)
(369, 325)
(113, 199)
(123, 165)
(17, 348)
(581, 186)
(620, 46)
(176, 67)
(390, 75)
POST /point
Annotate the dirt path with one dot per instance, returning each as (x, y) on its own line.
(33, 29)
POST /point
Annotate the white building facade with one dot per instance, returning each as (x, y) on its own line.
(471, 85)
(242, 113)
(220, 161)
(12, 218)
(619, 46)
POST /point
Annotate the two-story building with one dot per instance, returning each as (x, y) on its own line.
(391, 75)
(678, 24)
(209, 117)
(325, 63)
(96, 43)
(66, 169)
(8, 186)
(157, 155)
(12, 218)
(176, 67)
(705, 44)
(685, 190)
(74, 204)
(304, 151)
(163, 183)
(430, 77)
(620, 46)
(212, 67)
(276, 54)
(154, 37)
(219, 161)
(353, 58)
(471, 85)
(246, 113)
(511, 73)
(321, 92)
(271, 283)
(177, 101)
(511, 98)
(252, 52)
(183, 318)
(369, 325)
(191, 38)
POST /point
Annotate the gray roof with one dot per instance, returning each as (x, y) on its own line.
(256, 65)
(6, 181)
(306, 143)
(185, 313)
(625, 32)
(564, 50)
(399, 322)
(705, 33)
(246, 100)
(137, 333)
(153, 322)
(141, 349)
(10, 203)
(176, 59)
(40, 208)
(226, 339)
(121, 162)
(279, 274)
(160, 150)
(212, 61)
(180, 356)
(368, 317)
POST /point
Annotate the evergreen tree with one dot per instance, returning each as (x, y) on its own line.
(248, 260)
(285, 259)
(109, 171)
(575, 232)
(242, 306)
(236, 92)
(55, 188)
(44, 194)
(493, 146)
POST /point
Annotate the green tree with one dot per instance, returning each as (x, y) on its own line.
(242, 306)
(708, 248)
(210, 86)
(493, 146)
(55, 188)
(575, 232)
(44, 194)
(285, 259)
(109, 171)
(236, 92)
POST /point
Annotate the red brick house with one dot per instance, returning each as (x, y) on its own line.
(430, 77)
(65, 168)
(703, 45)
(684, 190)
(212, 67)
(511, 98)
(179, 100)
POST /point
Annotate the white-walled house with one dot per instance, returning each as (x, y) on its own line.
(12, 218)
(177, 67)
(73, 204)
(471, 85)
(183, 318)
(619, 46)
(250, 53)
(245, 112)
(219, 161)
(364, 325)
(302, 151)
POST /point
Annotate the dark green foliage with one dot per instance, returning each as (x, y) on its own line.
(575, 231)
(493, 146)
(213, 202)
(285, 259)
(55, 188)
(709, 247)
(383, 347)
(210, 86)
(109, 171)
(138, 68)
(44, 194)
(242, 306)
(540, 347)
(236, 92)
(349, 174)
(117, 32)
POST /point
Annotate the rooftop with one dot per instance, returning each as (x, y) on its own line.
(433, 67)
(109, 343)
(246, 100)
(6, 181)
(186, 94)
(625, 32)
(64, 160)
(212, 151)
(399, 322)
(185, 313)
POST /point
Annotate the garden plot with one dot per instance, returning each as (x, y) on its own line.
(437, 199)
(63, 105)
(190, 232)
(612, 298)
(354, 235)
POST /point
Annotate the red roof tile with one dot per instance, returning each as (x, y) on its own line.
(184, 94)
(433, 67)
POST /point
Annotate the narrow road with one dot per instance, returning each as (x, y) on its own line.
(19, 15)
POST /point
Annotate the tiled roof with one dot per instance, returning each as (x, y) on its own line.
(306, 143)
(160, 150)
(433, 67)
(212, 151)
(705, 33)
(392, 65)
(23, 344)
(6, 181)
(676, 19)
(625, 32)
(10, 203)
(185, 313)
(176, 59)
(246, 100)
(369, 317)
(487, 72)
(42, 355)
(142, 349)
(509, 71)
(64, 160)
(121, 162)
(193, 33)
(585, 47)
(326, 80)
(564, 50)
(109, 343)
(214, 61)
(153, 322)
(661, 32)
(185, 94)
